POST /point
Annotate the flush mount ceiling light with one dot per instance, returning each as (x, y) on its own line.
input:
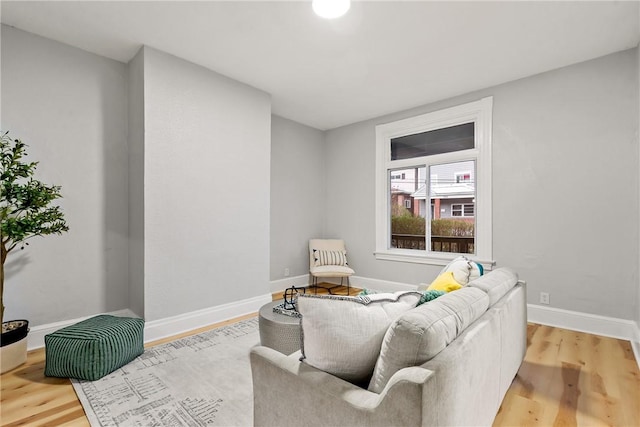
(331, 8)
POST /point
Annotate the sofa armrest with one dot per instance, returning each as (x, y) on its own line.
(289, 392)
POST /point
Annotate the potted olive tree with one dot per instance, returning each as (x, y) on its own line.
(26, 211)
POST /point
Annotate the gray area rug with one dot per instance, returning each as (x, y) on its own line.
(200, 380)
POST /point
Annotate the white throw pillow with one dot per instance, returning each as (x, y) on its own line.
(322, 257)
(461, 268)
(464, 270)
(418, 335)
(342, 335)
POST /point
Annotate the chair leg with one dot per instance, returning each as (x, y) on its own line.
(348, 286)
(314, 284)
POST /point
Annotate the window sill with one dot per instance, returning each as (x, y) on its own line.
(421, 257)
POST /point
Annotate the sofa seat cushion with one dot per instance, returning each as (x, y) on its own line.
(342, 335)
(419, 334)
(496, 284)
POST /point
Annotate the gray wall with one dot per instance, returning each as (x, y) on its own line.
(565, 154)
(565, 186)
(206, 188)
(198, 238)
(136, 182)
(297, 194)
(68, 106)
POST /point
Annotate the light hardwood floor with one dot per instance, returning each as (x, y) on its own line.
(568, 378)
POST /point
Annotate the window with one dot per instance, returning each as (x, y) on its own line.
(444, 158)
(431, 142)
(462, 210)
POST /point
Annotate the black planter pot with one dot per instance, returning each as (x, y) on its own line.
(17, 331)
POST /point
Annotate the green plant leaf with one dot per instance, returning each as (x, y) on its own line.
(26, 208)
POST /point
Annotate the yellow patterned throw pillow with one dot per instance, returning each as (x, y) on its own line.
(444, 282)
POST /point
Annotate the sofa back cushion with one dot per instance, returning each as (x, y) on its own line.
(496, 284)
(342, 335)
(419, 334)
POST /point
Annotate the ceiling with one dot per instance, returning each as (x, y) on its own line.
(380, 58)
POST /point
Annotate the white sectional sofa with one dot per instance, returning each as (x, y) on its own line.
(447, 362)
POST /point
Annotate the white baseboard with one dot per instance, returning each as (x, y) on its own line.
(282, 284)
(636, 351)
(162, 328)
(583, 322)
(355, 281)
(589, 323)
(381, 285)
(158, 329)
(35, 339)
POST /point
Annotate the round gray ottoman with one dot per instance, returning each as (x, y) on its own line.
(278, 331)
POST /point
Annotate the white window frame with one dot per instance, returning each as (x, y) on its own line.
(407, 203)
(478, 112)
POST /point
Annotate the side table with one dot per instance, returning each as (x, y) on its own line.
(278, 331)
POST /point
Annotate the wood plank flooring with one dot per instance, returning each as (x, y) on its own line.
(572, 378)
(567, 379)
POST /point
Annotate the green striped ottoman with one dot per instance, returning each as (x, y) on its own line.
(93, 348)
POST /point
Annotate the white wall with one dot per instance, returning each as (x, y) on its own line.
(70, 107)
(565, 186)
(206, 227)
(297, 195)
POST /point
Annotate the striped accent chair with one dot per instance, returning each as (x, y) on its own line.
(328, 258)
(93, 348)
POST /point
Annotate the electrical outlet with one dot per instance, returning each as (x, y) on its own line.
(544, 298)
(286, 272)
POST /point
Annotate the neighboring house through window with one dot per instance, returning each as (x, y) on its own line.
(439, 165)
(462, 176)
